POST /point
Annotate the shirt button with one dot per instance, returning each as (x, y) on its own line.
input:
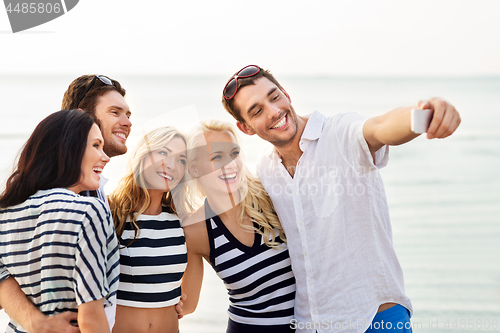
(314, 312)
(300, 223)
(310, 283)
(306, 253)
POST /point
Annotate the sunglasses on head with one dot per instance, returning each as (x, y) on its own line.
(102, 78)
(232, 85)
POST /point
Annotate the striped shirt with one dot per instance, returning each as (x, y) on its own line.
(152, 266)
(259, 278)
(62, 250)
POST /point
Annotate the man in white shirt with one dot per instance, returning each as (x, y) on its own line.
(322, 175)
(104, 97)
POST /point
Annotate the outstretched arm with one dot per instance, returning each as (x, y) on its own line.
(394, 127)
(24, 312)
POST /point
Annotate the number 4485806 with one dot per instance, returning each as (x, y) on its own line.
(34, 7)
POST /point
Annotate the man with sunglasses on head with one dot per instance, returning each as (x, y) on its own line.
(104, 97)
(322, 176)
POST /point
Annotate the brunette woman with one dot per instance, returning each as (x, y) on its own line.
(59, 246)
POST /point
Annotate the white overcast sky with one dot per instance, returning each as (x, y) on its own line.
(204, 37)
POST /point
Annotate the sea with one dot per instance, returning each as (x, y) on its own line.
(443, 194)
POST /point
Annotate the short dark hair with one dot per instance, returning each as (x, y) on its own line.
(52, 156)
(242, 82)
(89, 102)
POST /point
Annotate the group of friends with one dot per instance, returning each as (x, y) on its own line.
(305, 245)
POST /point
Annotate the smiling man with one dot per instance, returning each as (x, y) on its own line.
(105, 98)
(322, 176)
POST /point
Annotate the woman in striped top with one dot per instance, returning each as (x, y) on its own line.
(60, 247)
(239, 235)
(153, 253)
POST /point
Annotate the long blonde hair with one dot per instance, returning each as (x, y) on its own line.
(256, 202)
(131, 197)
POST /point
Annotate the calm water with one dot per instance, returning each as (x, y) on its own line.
(444, 196)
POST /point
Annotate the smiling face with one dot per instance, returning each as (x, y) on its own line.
(114, 113)
(164, 168)
(267, 112)
(93, 162)
(217, 165)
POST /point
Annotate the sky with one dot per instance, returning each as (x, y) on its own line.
(317, 38)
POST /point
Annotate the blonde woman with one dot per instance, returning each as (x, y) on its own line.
(237, 231)
(152, 246)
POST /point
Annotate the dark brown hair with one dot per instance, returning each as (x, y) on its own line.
(89, 102)
(52, 156)
(242, 82)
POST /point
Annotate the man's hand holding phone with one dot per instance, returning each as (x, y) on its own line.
(437, 117)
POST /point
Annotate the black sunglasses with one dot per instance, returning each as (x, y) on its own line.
(104, 79)
(232, 85)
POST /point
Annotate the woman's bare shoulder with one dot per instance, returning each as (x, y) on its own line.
(194, 220)
(195, 232)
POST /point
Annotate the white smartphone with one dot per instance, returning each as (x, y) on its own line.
(420, 120)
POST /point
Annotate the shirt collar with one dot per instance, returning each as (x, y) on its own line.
(102, 181)
(313, 129)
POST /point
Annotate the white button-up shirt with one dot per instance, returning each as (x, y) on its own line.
(110, 310)
(335, 215)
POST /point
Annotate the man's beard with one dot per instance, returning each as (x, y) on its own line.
(112, 149)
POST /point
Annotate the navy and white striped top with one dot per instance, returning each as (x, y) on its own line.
(62, 250)
(259, 279)
(152, 266)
